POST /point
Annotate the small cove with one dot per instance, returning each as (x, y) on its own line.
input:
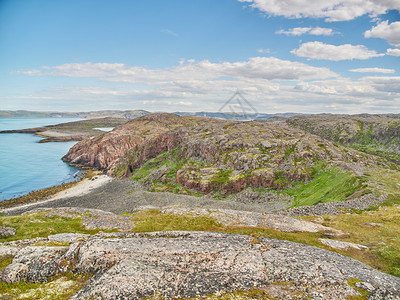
(26, 165)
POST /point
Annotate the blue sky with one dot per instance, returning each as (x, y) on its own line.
(338, 56)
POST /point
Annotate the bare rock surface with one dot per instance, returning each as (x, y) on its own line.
(342, 245)
(6, 231)
(336, 208)
(243, 218)
(192, 264)
(33, 264)
(67, 237)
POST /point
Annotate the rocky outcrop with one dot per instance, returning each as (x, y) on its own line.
(193, 264)
(342, 245)
(375, 134)
(336, 208)
(6, 231)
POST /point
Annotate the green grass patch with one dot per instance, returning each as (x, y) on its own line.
(154, 220)
(383, 240)
(59, 288)
(222, 176)
(5, 261)
(328, 185)
(38, 225)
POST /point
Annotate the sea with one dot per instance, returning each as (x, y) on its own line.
(25, 164)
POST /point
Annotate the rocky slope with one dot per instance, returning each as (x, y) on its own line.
(375, 134)
(205, 155)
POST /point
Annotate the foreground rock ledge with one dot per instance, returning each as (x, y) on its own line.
(191, 264)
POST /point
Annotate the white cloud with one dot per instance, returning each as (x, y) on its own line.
(207, 86)
(330, 10)
(384, 30)
(170, 32)
(309, 30)
(318, 50)
(393, 52)
(264, 68)
(373, 70)
(265, 51)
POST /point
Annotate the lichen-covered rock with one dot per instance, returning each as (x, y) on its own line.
(342, 245)
(67, 237)
(6, 231)
(8, 250)
(16, 272)
(191, 264)
(34, 264)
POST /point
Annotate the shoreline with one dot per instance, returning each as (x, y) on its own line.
(79, 188)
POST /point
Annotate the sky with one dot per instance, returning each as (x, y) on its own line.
(302, 56)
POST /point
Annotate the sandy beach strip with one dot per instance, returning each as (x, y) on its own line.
(82, 188)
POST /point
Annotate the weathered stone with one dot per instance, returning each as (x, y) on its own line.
(16, 272)
(6, 231)
(365, 286)
(36, 263)
(68, 237)
(374, 224)
(342, 245)
(191, 264)
(8, 250)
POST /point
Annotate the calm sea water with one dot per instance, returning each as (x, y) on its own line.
(26, 165)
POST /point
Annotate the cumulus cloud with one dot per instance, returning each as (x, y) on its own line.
(373, 70)
(384, 30)
(318, 50)
(306, 30)
(263, 51)
(197, 86)
(330, 10)
(265, 68)
(393, 52)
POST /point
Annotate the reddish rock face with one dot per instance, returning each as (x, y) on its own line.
(104, 151)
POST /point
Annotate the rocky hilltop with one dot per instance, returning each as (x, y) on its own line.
(375, 134)
(167, 151)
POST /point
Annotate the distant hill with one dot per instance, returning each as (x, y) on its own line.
(131, 114)
(235, 116)
(127, 114)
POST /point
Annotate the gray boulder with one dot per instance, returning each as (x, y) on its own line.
(34, 264)
(6, 231)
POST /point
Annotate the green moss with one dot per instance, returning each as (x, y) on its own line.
(5, 261)
(222, 176)
(352, 282)
(50, 290)
(328, 185)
